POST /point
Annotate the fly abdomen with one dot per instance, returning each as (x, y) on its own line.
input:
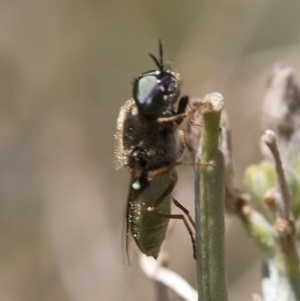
(149, 227)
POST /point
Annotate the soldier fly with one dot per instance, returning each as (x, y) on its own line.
(149, 143)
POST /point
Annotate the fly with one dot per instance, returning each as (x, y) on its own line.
(149, 143)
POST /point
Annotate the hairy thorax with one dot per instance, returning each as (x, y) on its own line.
(148, 143)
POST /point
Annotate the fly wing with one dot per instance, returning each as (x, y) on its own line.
(127, 239)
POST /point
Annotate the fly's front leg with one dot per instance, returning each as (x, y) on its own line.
(177, 118)
(183, 103)
(180, 115)
(192, 121)
(184, 142)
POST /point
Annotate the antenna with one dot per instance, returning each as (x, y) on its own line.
(161, 53)
(159, 63)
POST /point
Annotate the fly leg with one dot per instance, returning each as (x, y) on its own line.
(175, 216)
(156, 203)
(195, 164)
(156, 172)
(183, 103)
(192, 121)
(180, 116)
(185, 211)
(184, 143)
(180, 216)
(189, 229)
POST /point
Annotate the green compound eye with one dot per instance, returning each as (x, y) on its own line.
(146, 86)
(150, 93)
(155, 91)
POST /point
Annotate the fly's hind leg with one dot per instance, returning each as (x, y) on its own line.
(175, 216)
(185, 211)
(183, 218)
(156, 203)
(192, 222)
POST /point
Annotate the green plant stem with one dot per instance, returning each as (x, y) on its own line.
(287, 263)
(209, 198)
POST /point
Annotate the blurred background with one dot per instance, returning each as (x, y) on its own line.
(65, 69)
